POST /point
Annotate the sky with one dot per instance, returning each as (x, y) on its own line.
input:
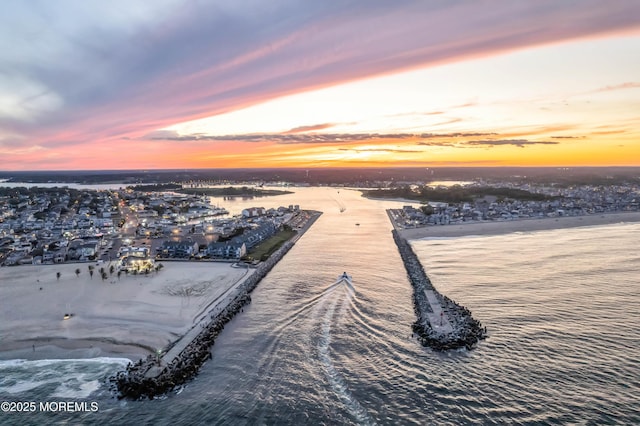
(164, 84)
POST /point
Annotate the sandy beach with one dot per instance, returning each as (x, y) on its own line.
(524, 225)
(128, 317)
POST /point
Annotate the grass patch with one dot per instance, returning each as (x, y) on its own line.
(266, 248)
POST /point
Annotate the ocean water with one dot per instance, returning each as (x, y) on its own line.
(562, 308)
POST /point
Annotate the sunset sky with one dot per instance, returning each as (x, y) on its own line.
(198, 84)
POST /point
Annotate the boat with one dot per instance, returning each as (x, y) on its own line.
(357, 224)
(344, 276)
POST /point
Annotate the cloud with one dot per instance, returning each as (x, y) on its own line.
(390, 150)
(286, 138)
(451, 140)
(622, 86)
(436, 143)
(94, 72)
(449, 121)
(609, 132)
(453, 135)
(312, 127)
(520, 143)
(410, 114)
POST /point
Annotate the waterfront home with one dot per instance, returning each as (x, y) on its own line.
(82, 250)
(179, 249)
(254, 212)
(227, 250)
(139, 252)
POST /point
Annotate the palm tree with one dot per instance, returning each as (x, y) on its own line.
(90, 267)
(77, 272)
(104, 276)
(111, 269)
(58, 276)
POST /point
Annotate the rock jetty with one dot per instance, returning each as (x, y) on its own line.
(461, 331)
(151, 377)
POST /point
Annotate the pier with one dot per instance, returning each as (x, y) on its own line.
(179, 363)
(441, 324)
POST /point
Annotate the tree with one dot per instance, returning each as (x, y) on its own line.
(77, 272)
(104, 276)
(119, 273)
(58, 276)
(111, 269)
(90, 267)
(427, 209)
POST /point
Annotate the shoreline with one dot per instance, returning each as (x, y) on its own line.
(40, 349)
(151, 377)
(132, 317)
(127, 318)
(520, 225)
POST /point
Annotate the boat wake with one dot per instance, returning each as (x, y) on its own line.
(342, 293)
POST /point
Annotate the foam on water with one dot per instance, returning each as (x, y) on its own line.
(62, 378)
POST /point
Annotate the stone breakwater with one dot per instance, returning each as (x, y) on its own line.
(465, 331)
(150, 377)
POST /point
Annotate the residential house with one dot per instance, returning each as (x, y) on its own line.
(227, 250)
(183, 248)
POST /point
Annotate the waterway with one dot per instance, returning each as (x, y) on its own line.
(560, 307)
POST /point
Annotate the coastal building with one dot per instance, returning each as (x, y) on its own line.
(139, 252)
(136, 263)
(227, 250)
(254, 212)
(179, 249)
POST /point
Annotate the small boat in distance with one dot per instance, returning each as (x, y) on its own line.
(344, 276)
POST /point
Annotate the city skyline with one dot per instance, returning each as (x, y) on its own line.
(187, 85)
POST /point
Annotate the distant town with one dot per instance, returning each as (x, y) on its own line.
(131, 230)
(502, 201)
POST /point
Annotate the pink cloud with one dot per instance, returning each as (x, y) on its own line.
(199, 64)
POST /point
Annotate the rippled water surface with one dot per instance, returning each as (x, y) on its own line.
(561, 307)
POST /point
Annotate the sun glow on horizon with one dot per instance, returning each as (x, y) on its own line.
(200, 85)
(523, 108)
